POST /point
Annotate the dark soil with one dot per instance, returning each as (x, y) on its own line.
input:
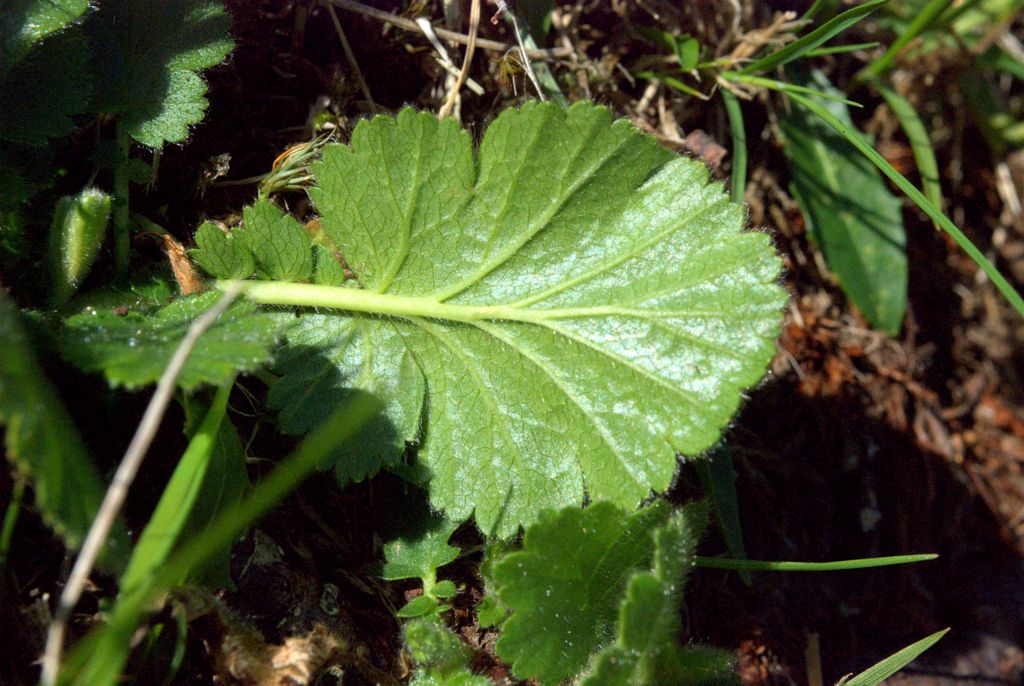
(856, 445)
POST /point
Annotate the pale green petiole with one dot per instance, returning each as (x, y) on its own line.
(361, 300)
(764, 566)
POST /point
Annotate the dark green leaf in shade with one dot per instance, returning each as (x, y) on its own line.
(133, 350)
(851, 214)
(565, 587)
(42, 91)
(42, 441)
(441, 658)
(23, 22)
(578, 305)
(146, 58)
(222, 255)
(279, 244)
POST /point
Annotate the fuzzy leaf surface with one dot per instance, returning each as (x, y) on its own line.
(146, 58)
(851, 214)
(222, 255)
(565, 587)
(133, 350)
(579, 305)
(41, 440)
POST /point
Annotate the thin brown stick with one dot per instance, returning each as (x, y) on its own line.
(349, 55)
(118, 490)
(409, 25)
(467, 60)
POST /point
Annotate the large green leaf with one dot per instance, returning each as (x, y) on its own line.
(147, 55)
(133, 350)
(566, 585)
(576, 304)
(851, 214)
(41, 439)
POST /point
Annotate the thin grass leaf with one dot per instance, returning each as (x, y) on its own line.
(739, 145)
(176, 503)
(827, 7)
(671, 81)
(822, 34)
(922, 21)
(838, 565)
(785, 87)
(841, 49)
(1000, 282)
(895, 662)
(718, 480)
(920, 142)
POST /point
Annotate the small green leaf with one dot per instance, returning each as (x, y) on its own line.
(460, 677)
(444, 589)
(79, 223)
(851, 214)
(433, 646)
(133, 350)
(327, 270)
(419, 606)
(886, 668)
(222, 255)
(147, 54)
(42, 441)
(577, 304)
(490, 612)
(687, 49)
(565, 586)
(278, 242)
(420, 557)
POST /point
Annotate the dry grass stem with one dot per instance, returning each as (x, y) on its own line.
(467, 60)
(410, 25)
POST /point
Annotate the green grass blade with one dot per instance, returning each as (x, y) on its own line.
(895, 662)
(922, 21)
(1000, 282)
(739, 145)
(100, 657)
(822, 34)
(785, 87)
(718, 479)
(920, 143)
(172, 512)
(829, 7)
(838, 565)
(840, 49)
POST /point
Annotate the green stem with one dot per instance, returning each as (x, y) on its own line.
(739, 145)
(10, 521)
(764, 566)
(122, 214)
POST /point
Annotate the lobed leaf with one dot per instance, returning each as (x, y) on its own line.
(851, 214)
(133, 350)
(563, 314)
(565, 586)
(147, 54)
